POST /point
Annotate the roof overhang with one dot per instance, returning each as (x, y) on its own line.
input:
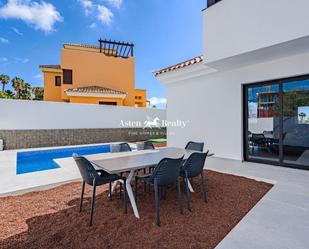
(183, 74)
(275, 52)
(95, 95)
(51, 70)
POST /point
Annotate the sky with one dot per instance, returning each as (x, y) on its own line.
(164, 32)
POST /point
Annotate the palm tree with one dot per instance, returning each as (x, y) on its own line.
(17, 84)
(4, 80)
(38, 93)
(25, 92)
(9, 94)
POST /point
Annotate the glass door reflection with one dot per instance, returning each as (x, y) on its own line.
(296, 122)
(263, 122)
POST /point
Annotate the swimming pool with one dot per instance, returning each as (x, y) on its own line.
(39, 160)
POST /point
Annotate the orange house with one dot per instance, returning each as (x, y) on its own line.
(103, 74)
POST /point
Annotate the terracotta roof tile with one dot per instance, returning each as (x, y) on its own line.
(183, 64)
(94, 89)
(50, 66)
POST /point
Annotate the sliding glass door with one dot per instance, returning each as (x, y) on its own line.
(276, 122)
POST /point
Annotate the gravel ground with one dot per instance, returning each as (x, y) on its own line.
(50, 218)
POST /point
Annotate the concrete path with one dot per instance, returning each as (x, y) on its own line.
(281, 219)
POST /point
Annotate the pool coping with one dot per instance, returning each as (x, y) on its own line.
(13, 184)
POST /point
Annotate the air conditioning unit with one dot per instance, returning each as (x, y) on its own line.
(1, 145)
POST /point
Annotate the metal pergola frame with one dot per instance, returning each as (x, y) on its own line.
(115, 48)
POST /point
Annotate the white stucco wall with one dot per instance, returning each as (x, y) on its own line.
(23, 114)
(233, 27)
(212, 103)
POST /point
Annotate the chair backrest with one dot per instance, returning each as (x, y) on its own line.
(194, 165)
(86, 169)
(124, 147)
(195, 146)
(258, 135)
(167, 171)
(148, 145)
(268, 132)
(258, 138)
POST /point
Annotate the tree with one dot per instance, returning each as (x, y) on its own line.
(25, 92)
(6, 94)
(17, 84)
(4, 80)
(38, 93)
(9, 94)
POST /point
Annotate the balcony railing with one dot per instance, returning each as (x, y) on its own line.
(117, 49)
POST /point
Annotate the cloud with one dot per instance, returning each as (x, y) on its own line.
(3, 59)
(38, 76)
(87, 5)
(17, 31)
(93, 25)
(115, 3)
(40, 16)
(105, 15)
(157, 101)
(3, 40)
(22, 60)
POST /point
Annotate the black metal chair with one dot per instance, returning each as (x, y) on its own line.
(148, 145)
(193, 167)
(195, 146)
(259, 140)
(95, 178)
(164, 174)
(123, 147)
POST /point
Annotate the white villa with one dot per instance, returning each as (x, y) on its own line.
(247, 94)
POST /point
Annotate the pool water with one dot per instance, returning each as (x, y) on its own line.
(39, 160)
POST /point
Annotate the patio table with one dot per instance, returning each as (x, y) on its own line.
(135, 161)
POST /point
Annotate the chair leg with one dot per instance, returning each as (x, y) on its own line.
(136, 187)
(110, 191)
(164, 193)
(120, 188)
(188, 193)
(125, 197)
(203, 187)
(157, 199)
(145, 182)
(92, 202)
(179, 197)
(81, 197)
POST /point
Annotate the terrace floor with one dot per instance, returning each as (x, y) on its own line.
(50, 218)
(281, 218)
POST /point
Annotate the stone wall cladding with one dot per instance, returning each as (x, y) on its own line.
(21, 139)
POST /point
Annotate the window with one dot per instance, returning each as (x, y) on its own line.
(57, 80)
(276, 116)
(67, 76)
(107, 103)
